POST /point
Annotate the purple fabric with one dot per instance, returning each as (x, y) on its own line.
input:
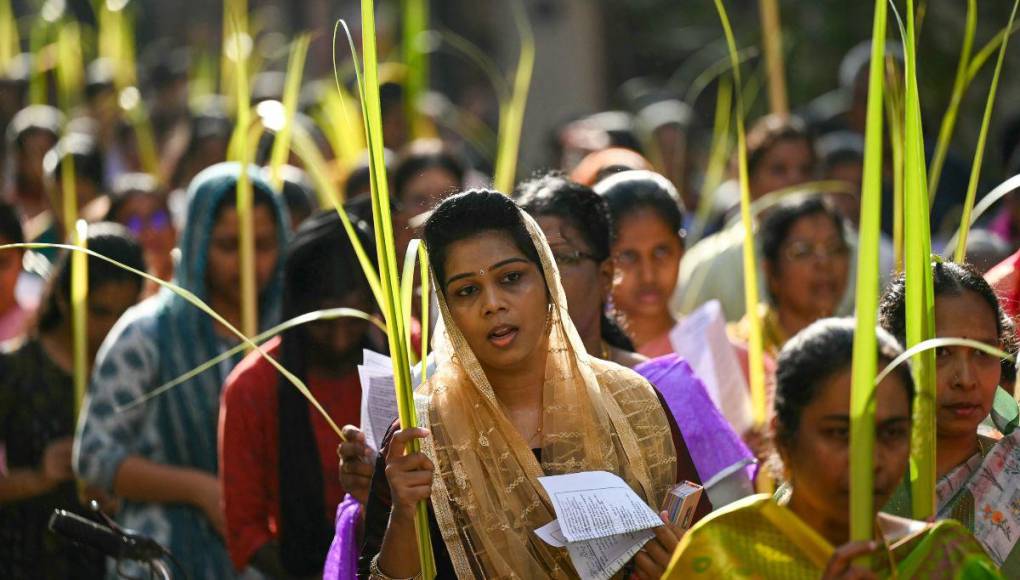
(710, 440)
(342, 559)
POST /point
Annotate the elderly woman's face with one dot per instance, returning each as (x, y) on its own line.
(809, 276)
(498, 300)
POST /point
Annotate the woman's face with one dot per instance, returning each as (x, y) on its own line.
(787, 163)
(224, 269)
(818, 458)
(586, 282)
(647, 255)
(809, 276)
(498, 300)
(966, 378)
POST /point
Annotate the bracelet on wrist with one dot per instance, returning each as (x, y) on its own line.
(374, 573)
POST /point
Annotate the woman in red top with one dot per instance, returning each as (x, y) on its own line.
(277, 455)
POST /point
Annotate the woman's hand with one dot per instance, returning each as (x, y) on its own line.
(55, 466)
(357, 461)
(841, 566)
(410, 476)
(653, 559)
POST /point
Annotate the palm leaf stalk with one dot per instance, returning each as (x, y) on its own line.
(772, 38)
(956, 97)
(392, 305)
(416, 59)
(919, 286)
(756, 363)
(10, 40)
(291, 93)
(511, 116)
(865, 354)
(239, 151)
(979, 149)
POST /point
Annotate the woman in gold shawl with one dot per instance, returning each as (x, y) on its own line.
(804, 534)
(515, 397)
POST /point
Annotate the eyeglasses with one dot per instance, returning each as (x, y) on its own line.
(572, 258)
(803, 251)
(159, 220)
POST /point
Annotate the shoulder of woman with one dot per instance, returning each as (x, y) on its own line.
(254, 372)
(708, 538)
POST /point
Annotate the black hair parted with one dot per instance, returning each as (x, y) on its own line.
(629, 191)
(781, 218)
(949, 279)
(811, 358)
(553, 194)
(468, 214)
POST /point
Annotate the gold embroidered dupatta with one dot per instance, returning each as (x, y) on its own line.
(486, 495)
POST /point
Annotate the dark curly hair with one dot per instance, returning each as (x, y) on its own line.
(812, 357)
(950, 279)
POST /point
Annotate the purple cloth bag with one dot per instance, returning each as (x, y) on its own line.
(342, 559)
(715, 448)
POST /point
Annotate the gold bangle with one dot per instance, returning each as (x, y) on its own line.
(374, 573)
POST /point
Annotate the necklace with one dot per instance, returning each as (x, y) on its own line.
(605, 350)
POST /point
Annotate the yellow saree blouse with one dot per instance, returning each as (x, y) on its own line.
(758, 538)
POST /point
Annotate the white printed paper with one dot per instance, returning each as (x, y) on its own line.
(379, 396)
(599, 519)
(597, 504)
(700, 338)
(600, 558)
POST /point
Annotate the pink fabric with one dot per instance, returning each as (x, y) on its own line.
(1004, 278)
(13, 322)
(655, 348)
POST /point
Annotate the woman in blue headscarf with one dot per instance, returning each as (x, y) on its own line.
(160, 458)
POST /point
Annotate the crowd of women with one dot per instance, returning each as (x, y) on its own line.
(555, 316)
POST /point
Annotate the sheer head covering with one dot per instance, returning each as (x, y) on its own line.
(596, 416)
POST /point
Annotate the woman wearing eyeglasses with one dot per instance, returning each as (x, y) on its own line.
(806, 261)
(139, 203)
